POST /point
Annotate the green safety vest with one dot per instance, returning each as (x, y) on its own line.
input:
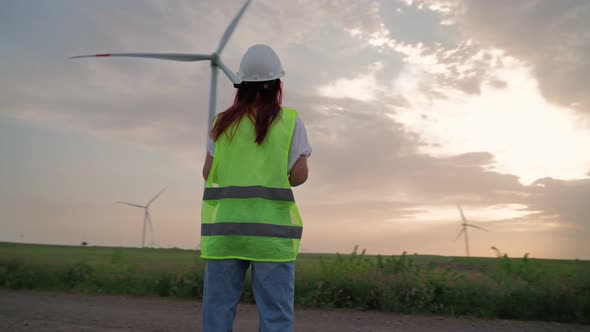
(248, 209)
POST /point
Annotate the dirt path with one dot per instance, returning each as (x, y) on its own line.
(42, 311)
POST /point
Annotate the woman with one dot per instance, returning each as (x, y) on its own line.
(257, 151)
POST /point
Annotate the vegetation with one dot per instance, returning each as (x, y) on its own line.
(501, 287)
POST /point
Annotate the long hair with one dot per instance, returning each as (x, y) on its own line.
(260, 101)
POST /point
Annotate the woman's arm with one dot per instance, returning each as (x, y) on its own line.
(299, 172)
(207, 166)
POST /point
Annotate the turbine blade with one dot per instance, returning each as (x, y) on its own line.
(230, 74)
(461, 232)
(155, 197)
(461, 212)
(231, 27)
(131, 204)
(161, 56)
(483, 229)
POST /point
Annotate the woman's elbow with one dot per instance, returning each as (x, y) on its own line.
(297, 180)
(300, 172)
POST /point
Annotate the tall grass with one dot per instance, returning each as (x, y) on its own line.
(500, 287)
(119, 272)
(519, 289)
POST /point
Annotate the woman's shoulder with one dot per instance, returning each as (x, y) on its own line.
(290, 111)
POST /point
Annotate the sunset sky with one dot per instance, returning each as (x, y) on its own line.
(410, 108)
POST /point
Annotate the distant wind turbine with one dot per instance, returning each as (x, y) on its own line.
(464, 229)
(146, 218)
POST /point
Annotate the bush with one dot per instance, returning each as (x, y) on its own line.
(78, 273)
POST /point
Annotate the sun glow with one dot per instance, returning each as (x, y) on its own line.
(528, 136)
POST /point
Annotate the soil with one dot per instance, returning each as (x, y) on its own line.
(52, 311)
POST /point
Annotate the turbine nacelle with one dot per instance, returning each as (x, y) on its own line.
(216, 61)
(215, 58)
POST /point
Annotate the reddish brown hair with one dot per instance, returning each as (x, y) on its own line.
(264, 97)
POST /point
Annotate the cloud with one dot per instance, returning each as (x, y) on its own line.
(378, 159)
(552, 36)
(363, 87)
(460, 43)
(447, 84)
(562, 200)
(528, 136)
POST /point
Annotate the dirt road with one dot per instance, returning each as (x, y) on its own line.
(42, 311)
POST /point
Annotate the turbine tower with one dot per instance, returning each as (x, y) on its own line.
(214, 58)
(146, 218)
(464, 229)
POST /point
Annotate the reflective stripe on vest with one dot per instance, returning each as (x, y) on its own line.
(274, 194)
(252, 229)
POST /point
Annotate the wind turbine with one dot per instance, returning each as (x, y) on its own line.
(214, 57)
(146, 217)
(464, 229)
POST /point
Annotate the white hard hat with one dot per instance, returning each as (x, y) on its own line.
(260, 63)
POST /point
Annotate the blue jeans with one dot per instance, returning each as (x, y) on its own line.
(273, 286)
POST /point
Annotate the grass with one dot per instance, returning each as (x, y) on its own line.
(501, 287)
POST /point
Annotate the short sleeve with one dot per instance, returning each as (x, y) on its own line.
(299, 143)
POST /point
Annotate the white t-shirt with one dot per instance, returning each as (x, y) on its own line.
(299, 144)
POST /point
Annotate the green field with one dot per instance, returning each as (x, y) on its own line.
(502, 287)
